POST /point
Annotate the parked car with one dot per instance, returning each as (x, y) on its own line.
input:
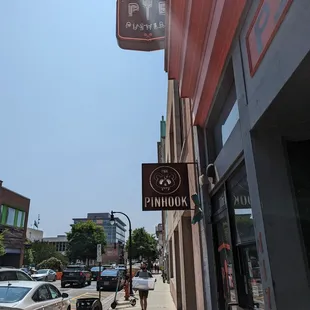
(109, 279)
(44, 275)
(11, 274)
(30, 295)
(76, 274)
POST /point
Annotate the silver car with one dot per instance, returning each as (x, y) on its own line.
(30, 295)
(44, 275)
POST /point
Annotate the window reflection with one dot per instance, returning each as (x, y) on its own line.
(230, 122)
(239, 200)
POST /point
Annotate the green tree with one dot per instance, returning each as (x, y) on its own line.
(143, 244)
(2, 248)
(63, 258)
(42, 250)
(28, 255)
(83, 239)
(51, 263)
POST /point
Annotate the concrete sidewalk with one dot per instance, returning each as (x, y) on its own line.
(160, 298)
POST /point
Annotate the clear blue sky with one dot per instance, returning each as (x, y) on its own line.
(78, 114)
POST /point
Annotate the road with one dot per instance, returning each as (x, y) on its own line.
(87, 291)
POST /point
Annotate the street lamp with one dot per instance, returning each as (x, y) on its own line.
(112, 222)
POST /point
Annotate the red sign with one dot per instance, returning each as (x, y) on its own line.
(140, 24)
(266, 22)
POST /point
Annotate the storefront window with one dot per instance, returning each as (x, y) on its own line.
(239, 201)
(226, 260)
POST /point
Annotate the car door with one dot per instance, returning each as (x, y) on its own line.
(56, 297)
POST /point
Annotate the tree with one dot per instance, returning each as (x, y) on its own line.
(83, 239)
(2, 248)
(28, 255)
(143, 244)
(51, 263)
(42, 250)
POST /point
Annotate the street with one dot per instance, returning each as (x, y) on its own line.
(85, 292)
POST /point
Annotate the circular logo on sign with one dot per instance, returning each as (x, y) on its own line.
(165, 180)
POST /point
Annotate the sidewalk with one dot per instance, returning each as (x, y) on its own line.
(160, 298)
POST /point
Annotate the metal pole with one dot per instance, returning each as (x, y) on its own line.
(130, 259)
(97, 280)
(129, 250)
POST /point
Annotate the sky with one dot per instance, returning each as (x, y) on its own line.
(78, 115)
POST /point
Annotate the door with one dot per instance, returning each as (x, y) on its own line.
(298, 156)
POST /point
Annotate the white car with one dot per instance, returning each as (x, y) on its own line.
(30, 295)
(44, 275)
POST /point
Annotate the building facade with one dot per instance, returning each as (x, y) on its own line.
(60, 243)
(244, 66)
(14, 210)
(34, 234)
(114, 233)
(182, 238)
(160, 244)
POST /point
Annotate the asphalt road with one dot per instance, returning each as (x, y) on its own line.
(85, 292)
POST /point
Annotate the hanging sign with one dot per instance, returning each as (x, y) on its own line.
(140, 24)
(165, 187)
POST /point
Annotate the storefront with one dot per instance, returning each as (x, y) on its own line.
(250, 106)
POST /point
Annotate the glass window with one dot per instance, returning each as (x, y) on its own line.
(22, 276)
(239, 199)
(20, 219)
(227, 119)
(42, 294)
(10, 217)
(226, 260)
(54, 292)
(14, 294)
(230, 122)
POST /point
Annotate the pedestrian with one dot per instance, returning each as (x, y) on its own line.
(143, 294)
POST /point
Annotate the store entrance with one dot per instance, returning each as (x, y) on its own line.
(298, 156)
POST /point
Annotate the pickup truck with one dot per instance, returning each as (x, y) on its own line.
(76, 274)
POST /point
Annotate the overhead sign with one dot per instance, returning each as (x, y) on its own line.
(263, 29)
(165, 187)
(140, 24)
(99, 253)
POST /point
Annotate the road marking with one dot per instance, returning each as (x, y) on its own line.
(76, 297)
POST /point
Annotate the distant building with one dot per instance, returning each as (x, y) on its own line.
(114, 233)
(34, 234)
(14, 210)
(60, 242)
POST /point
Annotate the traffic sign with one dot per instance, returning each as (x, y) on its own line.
(99, 253)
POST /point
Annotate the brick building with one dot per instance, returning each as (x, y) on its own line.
(14, 210)
(183, 249)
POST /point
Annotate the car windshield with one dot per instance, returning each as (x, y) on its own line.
(95, 269)
(109, 272)
(74, 268)
(42, 271)
(10, 294)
